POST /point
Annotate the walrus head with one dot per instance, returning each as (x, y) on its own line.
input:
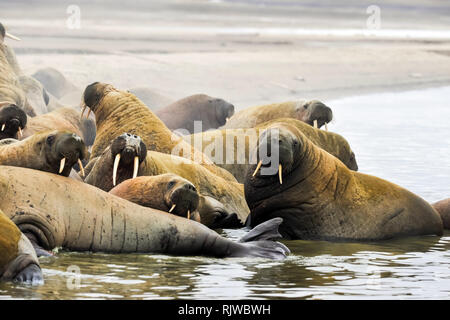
(315, 113)
(62, 150)
(93, 94)
(12, 121)
(224, 110)
(128, 152)
(180, 196)
(4, 33)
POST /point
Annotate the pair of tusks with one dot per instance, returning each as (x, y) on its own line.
(188, 213)
(9, 35)
(62, 164)
(316, 126)
(116, 167)
(20, 130)
(82, 112)
(280, 171)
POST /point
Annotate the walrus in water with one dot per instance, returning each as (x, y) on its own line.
(212, 112)
(54, 151)
(64, 119)
(230, 149)
(169, 192)
(119, 111)
(127, 158)
(313, 112)
(80, 217)
(12, 121)
(318, 197)
(443, 207)
(18, 260)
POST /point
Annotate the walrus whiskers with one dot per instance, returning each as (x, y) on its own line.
(61, 165)
(9, 35)
(315, 124)
(257, 168)
(81, 168)
(173, 207)
(136, 167)
(115, 167)
(280, 173)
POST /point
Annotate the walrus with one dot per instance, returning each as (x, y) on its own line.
(66, 119)
(212, 112)
(318, 197)
(169, 192)
(12, 121)
(151, 98)
(52, 151)
(8, 51)
(79, 217)
(56, 83)
(443, 207)
(117, 112)
(310, 112)
(127, 157)
(230, 148)
(35, 94)
(18, 260)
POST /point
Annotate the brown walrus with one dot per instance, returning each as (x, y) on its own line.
(169, 192)
(52, 151)
(66, 119)
(80, 217)
(18, 260)
(230, 148)
(12, 121)
(212, 112)
(127, 157)
(306, 111)
(166, 192)
(318, 197)
(117, 112)
(443, 207)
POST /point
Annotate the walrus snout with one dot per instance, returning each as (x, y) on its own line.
(69, 149)
(94, 93)
(12, 121)
(183, 199)
(317, 111)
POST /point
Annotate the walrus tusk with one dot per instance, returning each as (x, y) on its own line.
(81, 167)
(326, 127)
(9, 35)
(115, 167)
(189, 214)
(3, 126)
(173, 207)
(20, 133)
(315, 124)
(136, 166)
(61, 165)
(82, 111)
(280, 173)
(257, 168)
(89, 112)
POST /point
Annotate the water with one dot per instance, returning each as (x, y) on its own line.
(402, 137)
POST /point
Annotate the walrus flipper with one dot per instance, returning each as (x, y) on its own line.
(260, 240)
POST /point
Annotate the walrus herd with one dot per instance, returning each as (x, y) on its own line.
(102, 170)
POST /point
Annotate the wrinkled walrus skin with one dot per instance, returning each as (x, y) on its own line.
(118, 112)
(238, 143)
(18, 260)
(320, 198)
(79, 217)
(306, 111)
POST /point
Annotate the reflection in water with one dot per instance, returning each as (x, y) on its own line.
(401, 137)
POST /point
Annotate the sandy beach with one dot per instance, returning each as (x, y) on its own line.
(248, 52)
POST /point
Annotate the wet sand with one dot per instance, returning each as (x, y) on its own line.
(246, 52)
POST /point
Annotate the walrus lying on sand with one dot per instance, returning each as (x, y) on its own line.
(52, 151)
(313, 112)
(169, 192)
(12, 121)
(212, 112)
(443, 207)
(127, 158)
(230, 149)
(64, 119)
(79, 217)
(18, 260)
(318, 197)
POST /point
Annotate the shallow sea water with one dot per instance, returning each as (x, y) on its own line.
(402, 137)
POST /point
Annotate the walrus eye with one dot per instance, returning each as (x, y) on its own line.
(50, 140)
(170, 184)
